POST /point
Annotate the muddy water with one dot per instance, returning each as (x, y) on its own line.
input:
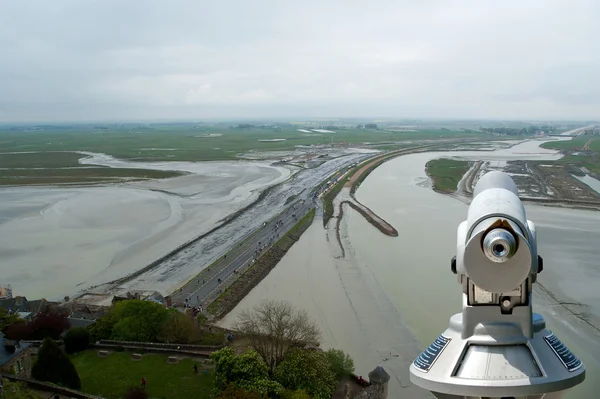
(594, 184)
(349, 304)
(392, 294)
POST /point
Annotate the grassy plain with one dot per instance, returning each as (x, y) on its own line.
(47, 155)
(184, 143)
(63, 167)
(446, 173)
(582, 151)
(110, 377)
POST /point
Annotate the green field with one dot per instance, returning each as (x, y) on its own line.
(110, 377)
(63, 167)
(587, 159)
(47, 155)
(446, 173)
(184, 143)
(577, 143)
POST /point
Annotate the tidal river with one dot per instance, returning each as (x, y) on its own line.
(390, 297)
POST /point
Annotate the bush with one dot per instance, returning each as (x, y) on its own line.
(131, 320)
(299, 394)
(307, 370)
(136, 393)
(76, 340)
(48, 325)
(341, 364)
(54, 366)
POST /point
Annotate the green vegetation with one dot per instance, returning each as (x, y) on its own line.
(54, 366)
(265, 262)
(64, 167)
(145, 321)
(112, 376)
(186, 142)
(76, 340)
(307, 370)
(272, 327)
(47, 155)
(575, 144)
(328, 198)
(587, 148)
(302, 374)
(246, 371)
(279, 363)
(341, 363)
(17, 390)
(446, 173)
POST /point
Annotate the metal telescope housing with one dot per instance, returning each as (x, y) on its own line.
(497, 347)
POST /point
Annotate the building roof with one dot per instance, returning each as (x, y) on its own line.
(21, 304)
(77, 322)
(6, 353)
(379, 375)
(24, 315)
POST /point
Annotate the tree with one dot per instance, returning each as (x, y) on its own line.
(50, 325)
(275, 326)
(297, 394)
(18, 331)
(308, 370)
(246, 371)
(136, 393)
(341, 364)
(179, 328)
(54, 366)
(7, 319)
(131, 320)
(233, 392)
(77, 339)
(47, 325)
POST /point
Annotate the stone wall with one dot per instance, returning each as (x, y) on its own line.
(20, 365)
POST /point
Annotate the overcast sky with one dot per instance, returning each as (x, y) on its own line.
(109, 60)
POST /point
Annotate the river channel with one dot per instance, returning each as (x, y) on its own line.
(390, 297)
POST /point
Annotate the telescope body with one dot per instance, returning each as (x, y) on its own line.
(497, 347)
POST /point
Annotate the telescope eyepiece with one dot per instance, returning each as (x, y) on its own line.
(499, 245)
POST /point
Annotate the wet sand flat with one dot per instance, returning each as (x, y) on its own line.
(56, 241)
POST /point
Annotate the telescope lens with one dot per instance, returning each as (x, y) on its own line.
(499, 245)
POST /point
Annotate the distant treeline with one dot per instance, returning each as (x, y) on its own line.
(514, 131)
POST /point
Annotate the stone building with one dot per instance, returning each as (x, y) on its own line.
(15, 358)
(378, 385)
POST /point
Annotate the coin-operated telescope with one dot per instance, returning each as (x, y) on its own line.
(497, 347)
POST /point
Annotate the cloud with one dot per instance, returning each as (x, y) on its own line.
(74, 60)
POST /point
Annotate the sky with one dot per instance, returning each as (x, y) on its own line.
(84, 60)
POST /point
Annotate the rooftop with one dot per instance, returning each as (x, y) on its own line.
(6, 351)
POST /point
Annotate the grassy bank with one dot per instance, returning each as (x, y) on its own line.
(581, 151)
(186, 142)
(64, 167)
(259, 270)
(110, 377)
(330, 196)
(446, 173)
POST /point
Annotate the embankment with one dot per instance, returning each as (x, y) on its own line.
(447, 173)
(257, 272)
(372, 218)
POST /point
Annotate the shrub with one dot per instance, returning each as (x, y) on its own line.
(341, 364)
(136, 393)
(54, 366)
(76, 340)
